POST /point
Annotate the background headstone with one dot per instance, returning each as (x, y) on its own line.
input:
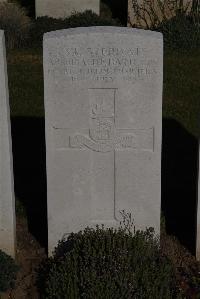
(103, 106)
(64, 8)
(7, 202)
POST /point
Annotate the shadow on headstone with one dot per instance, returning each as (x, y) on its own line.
(118, 8)
(28, 141)
(179, 182)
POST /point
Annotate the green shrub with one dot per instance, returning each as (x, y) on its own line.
(85, 19)
(108, 263)
(16, 23)
(180, 32)
(8, 272)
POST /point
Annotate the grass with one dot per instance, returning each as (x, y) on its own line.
(181, 94)
(181, 98)
(26, 83)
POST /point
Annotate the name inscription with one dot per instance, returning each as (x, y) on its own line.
(102, 64)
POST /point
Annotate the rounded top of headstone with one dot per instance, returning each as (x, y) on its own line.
(102, 29)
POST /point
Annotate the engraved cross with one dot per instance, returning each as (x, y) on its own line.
(104, 140)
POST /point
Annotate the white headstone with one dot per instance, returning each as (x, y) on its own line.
(64, 8)
(7, 202)
(103, 103)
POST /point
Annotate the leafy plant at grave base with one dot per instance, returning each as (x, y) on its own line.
(16, 23)
(108, 263)
(8, 272)
(85, 19)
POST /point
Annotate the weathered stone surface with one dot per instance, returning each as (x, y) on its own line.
(64, 8)
(7, 203)
(103, 103)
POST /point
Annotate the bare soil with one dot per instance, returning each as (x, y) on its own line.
(29, 254)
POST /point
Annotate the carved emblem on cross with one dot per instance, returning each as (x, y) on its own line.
(103, 135)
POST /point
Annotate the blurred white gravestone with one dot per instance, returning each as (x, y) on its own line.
(103, 113)
(64, 8)
(7, 202)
